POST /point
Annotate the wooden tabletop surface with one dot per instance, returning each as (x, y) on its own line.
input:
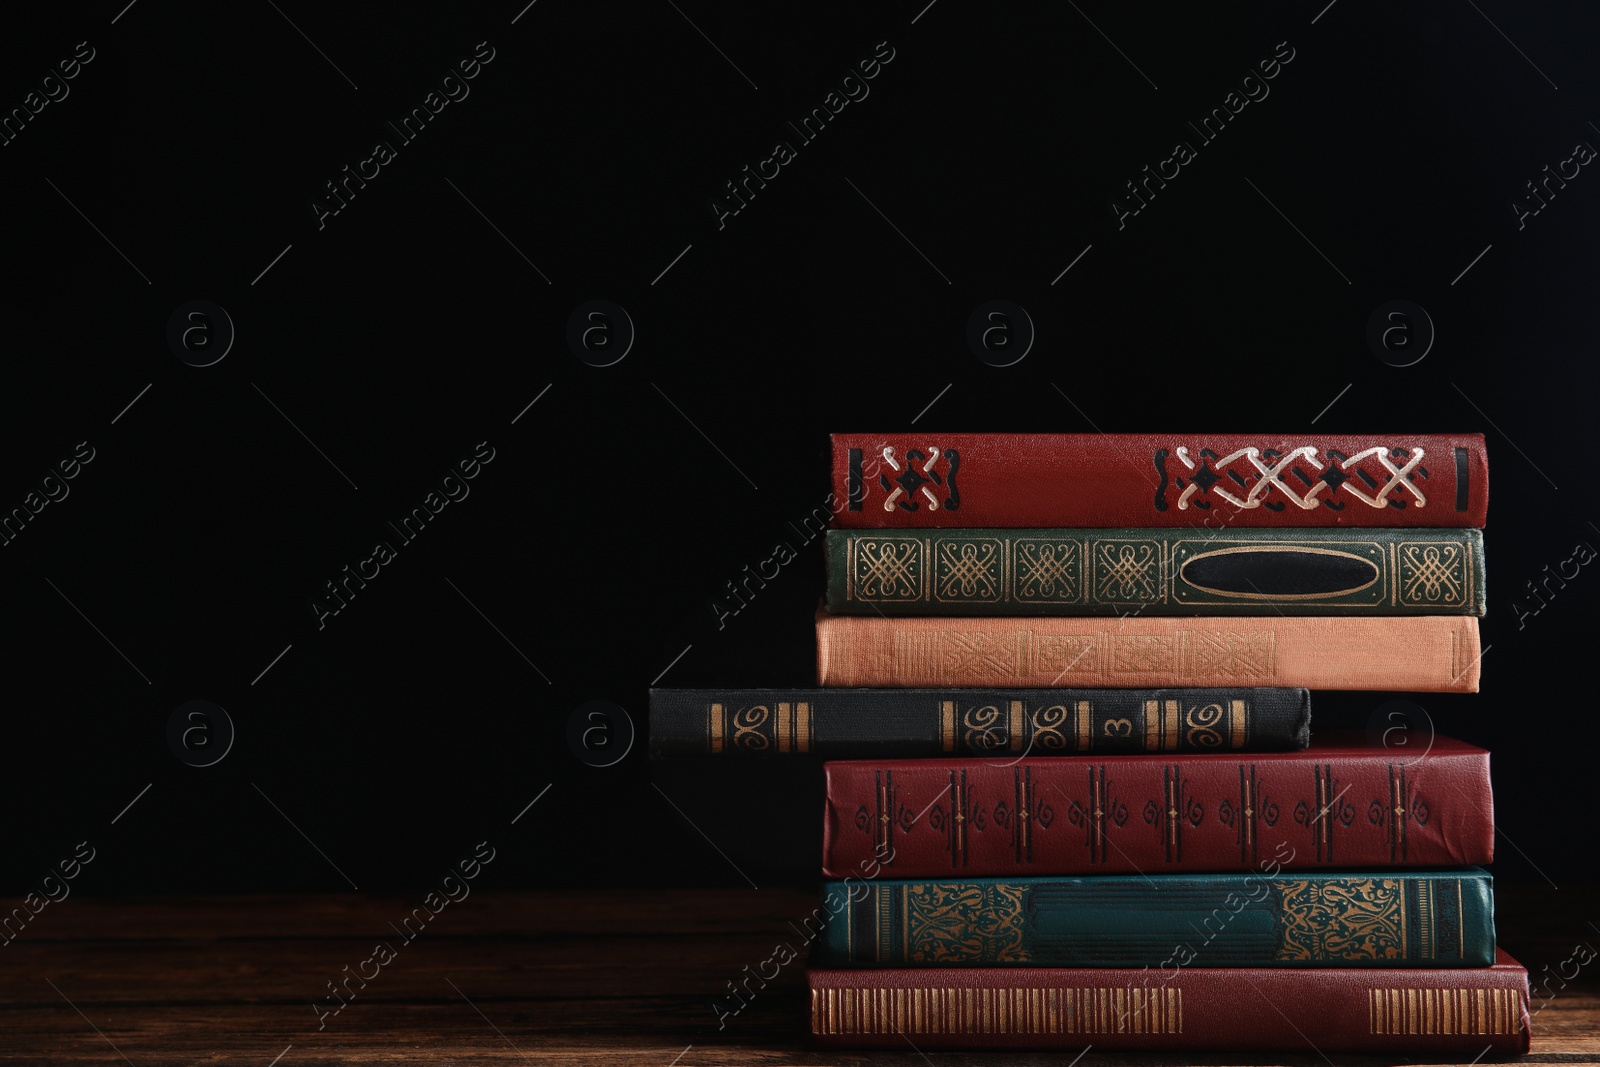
(605, 977)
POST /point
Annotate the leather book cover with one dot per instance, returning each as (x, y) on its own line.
(1156, 572)
(1260, 918)
(1459, 1012)
(902, 723)
(1419, 653)
(1196, 480)
(1341, 803)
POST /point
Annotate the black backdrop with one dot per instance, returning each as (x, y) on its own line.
(378, 346)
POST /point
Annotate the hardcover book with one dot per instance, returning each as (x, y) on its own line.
(1339, 803)
(1421, 653)
(1156, 572)
(1262, 918)
(867, 723)
(1138, 480)
(1459, 1012)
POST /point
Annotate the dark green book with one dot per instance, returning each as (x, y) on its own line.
(1333, 571)
(1308, 919)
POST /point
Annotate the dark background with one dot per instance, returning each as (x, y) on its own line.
(427, 714)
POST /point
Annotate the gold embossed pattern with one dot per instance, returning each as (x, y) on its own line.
(1008, 1010)
(1444, 1011)
(964, 922)
(1343, 919)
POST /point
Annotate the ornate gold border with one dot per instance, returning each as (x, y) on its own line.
(1377, 576)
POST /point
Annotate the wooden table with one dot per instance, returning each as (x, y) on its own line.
(507, 978)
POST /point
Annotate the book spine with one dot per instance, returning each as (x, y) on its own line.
(1260, 919)
(1138, 480)
(1156, 572)
(1462, 1012)
(1421, 653)
(1324, 807)
(889, 723)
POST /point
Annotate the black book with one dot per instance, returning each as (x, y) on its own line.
(910, 723)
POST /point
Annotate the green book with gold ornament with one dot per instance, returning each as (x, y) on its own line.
(1410, 918)
(1181, 571)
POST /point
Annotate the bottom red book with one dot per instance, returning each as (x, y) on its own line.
(1477, 1011)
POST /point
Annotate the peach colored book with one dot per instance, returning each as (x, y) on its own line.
(1427, 653)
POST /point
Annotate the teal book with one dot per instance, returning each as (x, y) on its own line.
(1273, 571)
(1405, 918)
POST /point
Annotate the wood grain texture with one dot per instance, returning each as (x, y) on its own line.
(499, 978)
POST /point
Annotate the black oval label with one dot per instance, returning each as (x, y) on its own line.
(1265, 573)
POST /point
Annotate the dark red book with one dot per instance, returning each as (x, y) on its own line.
(1466, 1012)
(1340, 803)
(1137, 480)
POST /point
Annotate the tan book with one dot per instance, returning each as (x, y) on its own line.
(1426, 653)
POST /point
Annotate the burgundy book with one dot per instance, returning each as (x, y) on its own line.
(1465, 1012)
(1124, 479)
(1340, 803)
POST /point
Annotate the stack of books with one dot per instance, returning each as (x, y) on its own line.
(1074, 798)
